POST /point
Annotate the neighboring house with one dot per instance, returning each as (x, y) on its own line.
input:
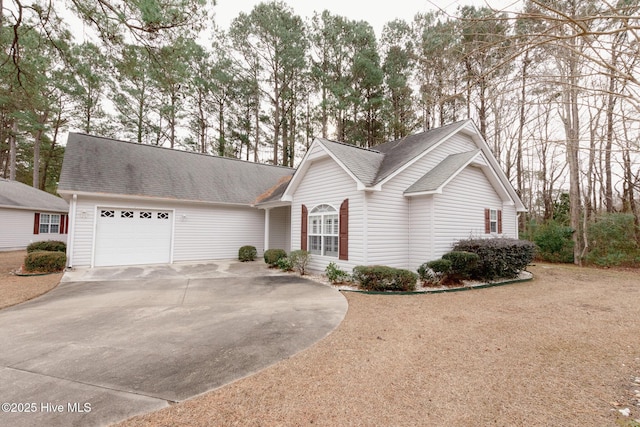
(29, 215)
(399, 204)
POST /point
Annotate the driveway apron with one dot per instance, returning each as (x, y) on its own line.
(111, 343)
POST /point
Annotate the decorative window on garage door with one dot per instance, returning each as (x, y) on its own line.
(104, 213)
(163, 215)
(126, 214)
(146, 215)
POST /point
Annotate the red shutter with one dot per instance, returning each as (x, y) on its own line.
(36, 223)
(487, 221)
(303, 228)
(499, 222)
(64, 223)
(343, 252)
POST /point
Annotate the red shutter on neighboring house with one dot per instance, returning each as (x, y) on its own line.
(487, 221)
(36, 223)
(499, 222)
(303, 228)
(344, 231)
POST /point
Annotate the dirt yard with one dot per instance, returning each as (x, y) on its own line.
(15, 289)
(561, 350)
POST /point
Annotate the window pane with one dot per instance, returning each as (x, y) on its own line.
(44, 218)
(494, 215)
(55, 219)
(55, 228)
(44, 228)
(331, 246)
(314, 244)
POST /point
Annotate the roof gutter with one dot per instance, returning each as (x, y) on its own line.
(72, 231)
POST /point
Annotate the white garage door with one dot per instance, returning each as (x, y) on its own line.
(132, 236)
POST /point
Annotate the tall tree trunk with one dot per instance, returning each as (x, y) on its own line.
(607, 151)
(521, 125)
(12, 150)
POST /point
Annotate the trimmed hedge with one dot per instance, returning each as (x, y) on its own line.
(271, 256)
(463, 264)
(45, 261)
(247, 253)
(382, 278)
(335, 274)
(499, 258)
(47, 245)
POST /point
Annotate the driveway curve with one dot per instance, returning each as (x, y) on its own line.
(111, 343)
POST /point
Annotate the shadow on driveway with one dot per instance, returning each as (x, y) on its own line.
(111, 343)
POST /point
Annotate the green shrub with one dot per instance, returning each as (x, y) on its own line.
(554, 242)
(335, 274)
(612, 241)
(383, 278)
(271, 256)
(284, 264)
(440, 266)
(299, 261)
(427, 276)
(499, 258)
(45, 261)
(247, 253)
(47, 245)
(463, 264)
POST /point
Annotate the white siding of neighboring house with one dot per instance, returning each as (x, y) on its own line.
(201, 232)
(16, 229)
(280, 228)
(390, 234)
(327, 183)
(459, 211)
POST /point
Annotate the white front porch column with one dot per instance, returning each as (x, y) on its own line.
(267, 212)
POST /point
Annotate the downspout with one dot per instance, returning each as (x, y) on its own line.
(267, 220)
(72, 230)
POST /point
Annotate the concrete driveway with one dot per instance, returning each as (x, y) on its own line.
(111, 343)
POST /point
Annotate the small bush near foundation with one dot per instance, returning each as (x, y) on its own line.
(271, 256)
(300, 260)
(383, 278)
(47, 245)
(284, 264)
(499, 258)
(463, 264)
(335, 274)
(428, 276)
(247, 253)
(45, 261)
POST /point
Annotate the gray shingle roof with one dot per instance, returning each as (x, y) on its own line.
(362, 163)
(399, 152)
(442, 172)
(17, 195)
(101, 165)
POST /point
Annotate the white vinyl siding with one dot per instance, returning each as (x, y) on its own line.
(421, 226)
(280, 228)
(327, 183)
(459, 211)
(16, 230)
(200, 232)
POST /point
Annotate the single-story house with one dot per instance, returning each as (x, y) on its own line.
(29, 215)
(399, 204)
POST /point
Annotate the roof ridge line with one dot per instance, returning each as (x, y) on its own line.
(351, 145)
(179, 151)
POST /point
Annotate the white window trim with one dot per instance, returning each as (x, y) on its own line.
(44, 227)
(493, 221)
(324, 212)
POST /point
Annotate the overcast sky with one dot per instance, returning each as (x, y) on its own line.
(376, 13)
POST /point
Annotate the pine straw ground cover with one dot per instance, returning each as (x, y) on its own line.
(561, 350)
(15, 289)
